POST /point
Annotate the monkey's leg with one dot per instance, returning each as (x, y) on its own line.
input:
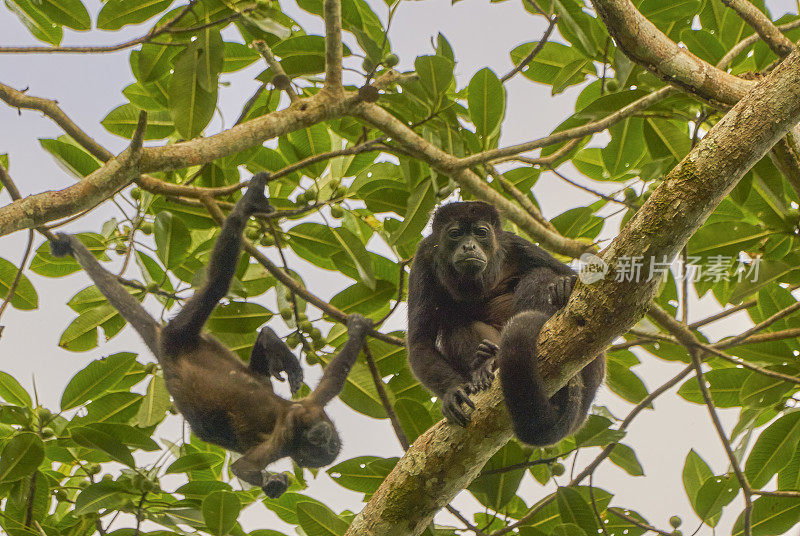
(250, 467)
(537, 419)
(271, 357)
(184, 329)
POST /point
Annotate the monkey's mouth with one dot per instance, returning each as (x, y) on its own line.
(469, 264)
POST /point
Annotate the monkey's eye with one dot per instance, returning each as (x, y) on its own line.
(454, 233)
(481, 232)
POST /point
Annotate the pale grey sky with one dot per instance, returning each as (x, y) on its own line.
(481, 34)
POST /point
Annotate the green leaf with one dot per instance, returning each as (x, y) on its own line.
(238, 317)
(771, 516)
(35, 21)
(155, 403)
(496, 490)
(25, 297)
(122, 121)
(715, 493)
(773, 450)
(211, 56)
(131, 436)
(658, 11)
(220, 510)
(103, 495)
(118, 13)
(153, 62)
(70, 157)
(190, 105)
(194, 461)
(626, 147)
(363, 474)
(94, 438)
(695, 473)
(724, 386)
(435, 73)
(486, 99)
(238, 56)
(666, 138)
(21, 456)
(596, 433)
(549, 62)
(414, 418)
(81, 334)
(418, 208)
(96, 378)
(357, 254)
(574, 509)
(318, 520)
(69, 13)
(625, 457)
(703, 44)
(12, 392)
(285, 506)
(113, 407)
(172, 239)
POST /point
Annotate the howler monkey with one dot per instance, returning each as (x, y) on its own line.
(478, 298)
(224, 401)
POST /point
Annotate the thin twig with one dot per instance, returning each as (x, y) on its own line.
(12, 289)
(532, 54)
(634, 521)
(279, 78)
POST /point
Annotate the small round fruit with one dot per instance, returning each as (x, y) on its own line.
(337, 212)
(301, 316)
(146, 227)
(252, 233)
(293, 340)
(282, 81)
(92, 468)
(286, 313)
(107, 477)
(267, 241)
(612, 84)
(136, 193)
(391, 60)
(60, 495)
(305, 326)
(301, 198)
(44, 414)
(557, 469)
(630, 195)
(675, 522)
(341, 191)
(48, 433)
(677, 533)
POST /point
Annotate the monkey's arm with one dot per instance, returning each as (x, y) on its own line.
(130, 309)
(185, 328)
(533, 256)
(250, 467)
(271, 357)
(336, 372)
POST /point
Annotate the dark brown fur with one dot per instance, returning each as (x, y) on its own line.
(479, 296)
(224, 401)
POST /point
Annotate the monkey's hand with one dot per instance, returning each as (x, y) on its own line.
(358, 325)
(559, 290)
(451, 406)
(483, 367)
(254, 201)
(275, 484)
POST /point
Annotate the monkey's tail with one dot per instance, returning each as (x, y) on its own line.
(537, 419)
(130, 309)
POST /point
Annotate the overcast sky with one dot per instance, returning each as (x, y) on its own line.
(481, 34)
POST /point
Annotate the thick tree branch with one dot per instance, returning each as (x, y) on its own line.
(333, 45)
(648, 46)
(764, 27)
(446, 458)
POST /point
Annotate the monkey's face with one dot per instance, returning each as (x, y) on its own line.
(469, 244)
(316, 442)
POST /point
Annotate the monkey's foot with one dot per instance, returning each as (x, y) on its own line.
(271, 357)
(358, 325)
(559, 290)
(451, 406)
(254, 200)
(61, 246)
(483, 367)
(275, 484)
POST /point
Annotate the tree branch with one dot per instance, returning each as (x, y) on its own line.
(764, 27)
(333, 45)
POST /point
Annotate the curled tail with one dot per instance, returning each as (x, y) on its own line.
(130, 309)
(537, 419)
